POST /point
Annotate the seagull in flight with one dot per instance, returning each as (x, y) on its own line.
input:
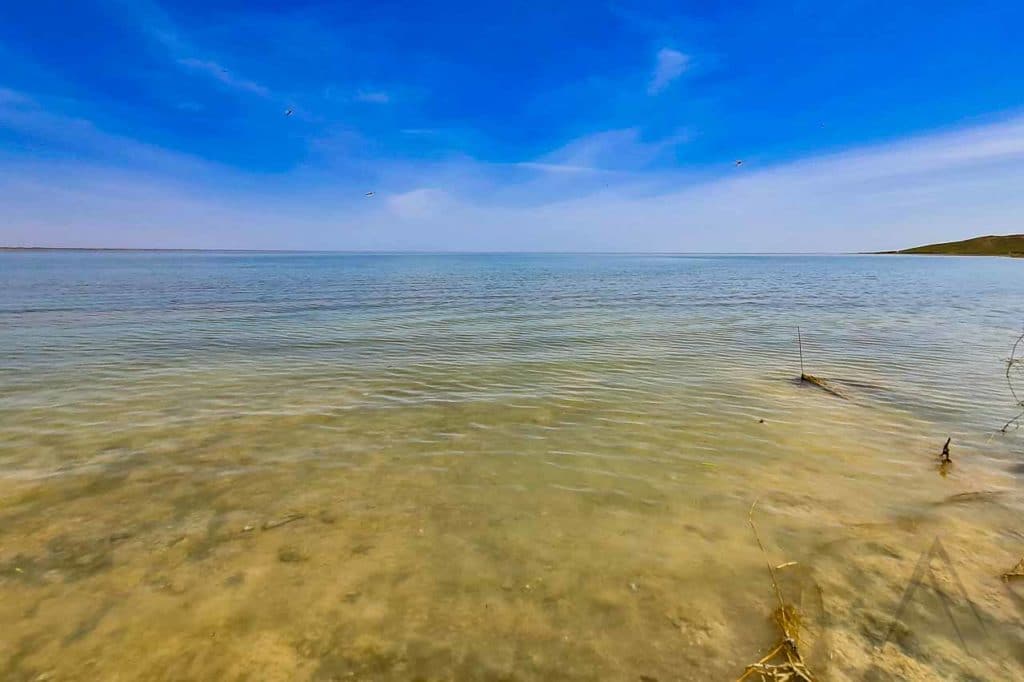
(369, 194)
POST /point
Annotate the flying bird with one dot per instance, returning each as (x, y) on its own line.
(369, 194)
(739, 162)
(288, 112)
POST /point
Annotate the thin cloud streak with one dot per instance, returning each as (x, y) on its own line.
(221, 74)
(945, 185)
(373, 97)
(559, 167)
(151, 20)
(670, 65)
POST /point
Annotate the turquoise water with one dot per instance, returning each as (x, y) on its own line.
(497, 466)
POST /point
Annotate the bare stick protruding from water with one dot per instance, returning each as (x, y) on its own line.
(800, 346)
(810, 378)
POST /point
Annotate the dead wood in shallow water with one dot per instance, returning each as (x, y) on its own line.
(789, 664)
(823, 385)
(972, 496)
(800, 347)
(810, 378)
(945, 461)
(1015, 572)
(284, 520)
(1013, 366)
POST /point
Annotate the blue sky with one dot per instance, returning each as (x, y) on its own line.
(510, 126)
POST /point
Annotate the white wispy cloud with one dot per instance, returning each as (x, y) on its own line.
(155, 23)
(561, 168)
(13, 97)
(27, 116)
(419, 203)
(670, 65)
(926, 188)
(372, 96)
(220, 73)
(607, 151)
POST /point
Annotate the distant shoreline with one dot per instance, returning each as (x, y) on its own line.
(1007, 246)
(948, 255)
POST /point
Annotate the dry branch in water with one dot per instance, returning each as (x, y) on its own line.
(789, 664)
(972, 496)
(823, 385)
(1013, 366)
(810, 378)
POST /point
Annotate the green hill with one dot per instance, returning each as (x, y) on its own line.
(991, 245)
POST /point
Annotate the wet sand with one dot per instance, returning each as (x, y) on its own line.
(422, 542)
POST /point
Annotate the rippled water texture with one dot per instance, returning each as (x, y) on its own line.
(334, 467)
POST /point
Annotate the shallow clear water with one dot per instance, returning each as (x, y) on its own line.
(325, 466)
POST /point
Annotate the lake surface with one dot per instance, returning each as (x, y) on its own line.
(505, 467)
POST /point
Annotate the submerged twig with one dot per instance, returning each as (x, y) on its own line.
(810, 378)
(771, 569)
(1015, 572)
(971, 496)
(1014, 362)
(284, 520)
(790, 664)
(823, 385)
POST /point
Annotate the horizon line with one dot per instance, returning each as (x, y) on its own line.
(384, 252)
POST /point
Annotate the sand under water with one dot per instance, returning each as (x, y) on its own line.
(505, 490)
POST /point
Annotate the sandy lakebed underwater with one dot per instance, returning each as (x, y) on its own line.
(224, 466)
